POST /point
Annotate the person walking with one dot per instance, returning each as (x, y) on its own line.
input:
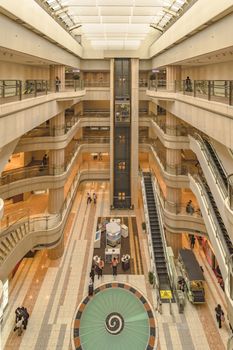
(19, 325)
(114, 264)
(94, 197)
(92, 274)
(88, 198)
(219, 315)
(100, 268)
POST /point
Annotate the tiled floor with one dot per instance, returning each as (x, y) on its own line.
(52, 290)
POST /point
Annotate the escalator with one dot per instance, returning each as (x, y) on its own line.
(217, 162)
(158, 248)
(226, 238)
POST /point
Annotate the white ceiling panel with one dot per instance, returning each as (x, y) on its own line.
(115, 11)
(115, 23)
(115, 19)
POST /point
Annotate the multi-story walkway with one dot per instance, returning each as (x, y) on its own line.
(51, 290)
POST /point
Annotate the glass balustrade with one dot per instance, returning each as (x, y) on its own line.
(15, 90)
(211, 90)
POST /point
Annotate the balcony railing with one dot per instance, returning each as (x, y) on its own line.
(45, 131)
(16, 90)
(159, 150)
(211, 90)
(96, 83)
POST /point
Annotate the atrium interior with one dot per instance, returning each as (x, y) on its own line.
(116, 175)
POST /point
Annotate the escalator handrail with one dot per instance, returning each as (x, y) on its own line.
(209, 206)
(162, 233)
(147, 221)
(215, 171)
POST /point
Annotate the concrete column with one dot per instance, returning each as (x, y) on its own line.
(171, 124)
(173, 161)
(134, 130)
(57, 71)
(173, 201)
(78, 108)
(56, 161)
(173, 74)
(174, 240)
(56, 197)
(152, 108)
(57, 124)
(111, 130)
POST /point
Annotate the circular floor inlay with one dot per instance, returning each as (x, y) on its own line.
(114, 323)
(116, 317)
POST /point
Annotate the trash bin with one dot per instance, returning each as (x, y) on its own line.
(125, 262)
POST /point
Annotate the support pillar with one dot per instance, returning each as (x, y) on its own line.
(173, 75)
(56, 195)
(78, 108)
(57, 125)
(171, 124)
(57, 71)
(134, 130)
(173, 161)
(111, 131)
(173, 202)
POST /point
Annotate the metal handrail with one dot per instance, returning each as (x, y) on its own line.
(218, 231)
(161, 228)
(147, 221)
(210, 161)
(212, 90)
(11, 90)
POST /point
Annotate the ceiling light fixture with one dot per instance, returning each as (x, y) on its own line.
(76, 26)
(154, 26)
(173, 13)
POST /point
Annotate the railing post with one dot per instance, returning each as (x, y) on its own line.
(194, 88)
(3, 89)
(209, 90)
(46, 87)
(20, 90)
(35, 82)
(230, 92)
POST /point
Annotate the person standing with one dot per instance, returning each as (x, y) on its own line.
(219, 315)
(188, 84)
(94, 197)
(57, 84)
(114, 266)
(192, 241)
(92, 274)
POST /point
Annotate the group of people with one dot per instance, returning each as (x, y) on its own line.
(98, 156)
(21, 319)
(89, 197)
(97, 269)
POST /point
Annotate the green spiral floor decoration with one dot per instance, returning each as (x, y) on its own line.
(117, 317)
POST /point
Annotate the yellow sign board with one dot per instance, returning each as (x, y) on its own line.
(166, 294)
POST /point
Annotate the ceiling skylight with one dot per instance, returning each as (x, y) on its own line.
(115, 24)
